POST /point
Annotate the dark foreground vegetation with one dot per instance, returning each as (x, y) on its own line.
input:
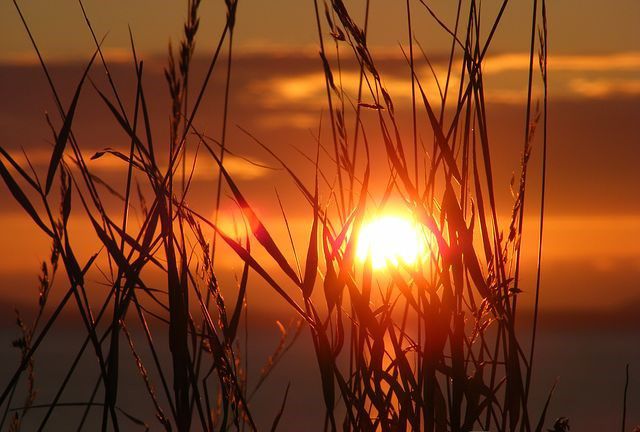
(430, 346)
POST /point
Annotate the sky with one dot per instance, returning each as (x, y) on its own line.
(593, 202)
(577, 26)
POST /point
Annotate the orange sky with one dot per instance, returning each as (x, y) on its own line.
(577, 26)
(594, 205)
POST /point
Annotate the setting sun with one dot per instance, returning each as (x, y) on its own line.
(390, 240)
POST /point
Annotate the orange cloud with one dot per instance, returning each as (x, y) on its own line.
(30, 58)
(598, 63)
(602, 88)
(310, 89)
(205, 168)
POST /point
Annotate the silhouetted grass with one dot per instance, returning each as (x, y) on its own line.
(432, 346)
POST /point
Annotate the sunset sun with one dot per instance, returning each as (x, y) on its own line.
(390, 240)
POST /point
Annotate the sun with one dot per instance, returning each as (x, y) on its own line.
(390, 240)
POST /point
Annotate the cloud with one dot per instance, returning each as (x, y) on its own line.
(605, 87)
(565, 62)
(298, 89)
(30, 58)
(244, 169)
(296, 119)
(306, 89)
(610, 239)
(607, 62)
(205, 168)
(309, 90)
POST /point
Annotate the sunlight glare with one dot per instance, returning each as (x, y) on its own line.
(390, 240)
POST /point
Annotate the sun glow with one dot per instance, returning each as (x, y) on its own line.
(390, 240)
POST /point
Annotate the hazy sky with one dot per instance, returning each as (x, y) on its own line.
(576, 26)
(277, 88)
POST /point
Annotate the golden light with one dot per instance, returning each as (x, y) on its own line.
(391, 240)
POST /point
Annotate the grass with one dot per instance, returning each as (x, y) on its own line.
(433, 346)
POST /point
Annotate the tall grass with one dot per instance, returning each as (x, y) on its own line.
(432, 346)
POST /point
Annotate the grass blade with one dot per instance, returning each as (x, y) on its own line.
(65, 131)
